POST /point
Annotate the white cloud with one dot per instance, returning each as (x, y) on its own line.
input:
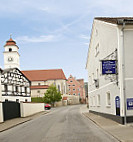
(43, 38)
(84, 37)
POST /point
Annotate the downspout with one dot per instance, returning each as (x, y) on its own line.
(123, 70)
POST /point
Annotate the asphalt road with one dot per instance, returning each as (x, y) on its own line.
(64, 124)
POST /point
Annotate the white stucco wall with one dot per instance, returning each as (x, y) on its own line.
(14, 98)
(60, 82)
(128, 54)
(38, 92)
(1, 113)
(28, 109)
(105, 37)
(0, 88)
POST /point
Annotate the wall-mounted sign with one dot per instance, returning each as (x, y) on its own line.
(117, 104)
(129, 103)
(108, 66)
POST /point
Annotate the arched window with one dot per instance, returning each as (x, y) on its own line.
(59, 88)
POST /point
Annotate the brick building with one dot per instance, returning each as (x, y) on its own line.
(76, 87)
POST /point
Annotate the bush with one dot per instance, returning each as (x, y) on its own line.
(37, 100)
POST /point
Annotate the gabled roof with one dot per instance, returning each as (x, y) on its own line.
(44, 75)
(12, 69)
(116, 20)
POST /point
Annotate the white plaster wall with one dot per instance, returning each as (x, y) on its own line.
(1, 113)
(14, 63)
(62, 83)
(106, 35)
(34, 92)
(0, 89)
(13, 98)
(128, 50)
(14, 48)
(28, 109)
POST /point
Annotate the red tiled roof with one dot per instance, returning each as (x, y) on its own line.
(40, 87)
(44, 75)
(10, 42)
(64, 98)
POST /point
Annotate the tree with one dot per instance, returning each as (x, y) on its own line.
(52, 95)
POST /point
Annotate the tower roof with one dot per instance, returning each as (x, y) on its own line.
(10, 42)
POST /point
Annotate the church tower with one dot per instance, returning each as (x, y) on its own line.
(11, 55)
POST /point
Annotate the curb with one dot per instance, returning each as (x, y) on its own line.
(19, 123)
(15, 125)
(102, 127)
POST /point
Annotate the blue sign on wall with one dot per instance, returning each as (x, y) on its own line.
(117, 101)
(109, 67)
(129, 103)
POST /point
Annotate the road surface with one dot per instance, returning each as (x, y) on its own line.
(63, 124)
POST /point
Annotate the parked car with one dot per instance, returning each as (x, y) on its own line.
(47, 106)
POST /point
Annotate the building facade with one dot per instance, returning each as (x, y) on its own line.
(14, 84)
(42, 79)
(76, 87)
(110, 67)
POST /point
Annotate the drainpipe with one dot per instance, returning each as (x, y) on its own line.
(124, 90)
(123, 70)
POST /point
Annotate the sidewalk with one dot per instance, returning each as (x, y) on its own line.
(121, 132)
(16, 121)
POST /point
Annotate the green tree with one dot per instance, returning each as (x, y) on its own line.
(52, 95)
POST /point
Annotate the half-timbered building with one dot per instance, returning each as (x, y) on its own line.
(15, 86)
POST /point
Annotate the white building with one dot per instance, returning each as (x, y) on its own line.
(111, 95)
(14, 84)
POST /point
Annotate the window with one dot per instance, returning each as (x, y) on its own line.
(97, 75)
(17, 100)
(64, 89)
(71, 81)
(73, 85)
(97, 49)
(39, 84)
(74, 94)
(73, 89)
(94, 101)
(108, 99)
(59, 88)
(26, 100)
(38, 91)
(10, 49)
(69, 94)
(25, 89)
(5, 88)
(16, 88)
(69, 85)
(78, 94)
(98, 100)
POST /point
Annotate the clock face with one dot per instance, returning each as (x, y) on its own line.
(10, 59)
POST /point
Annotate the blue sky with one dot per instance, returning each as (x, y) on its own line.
(54, 33)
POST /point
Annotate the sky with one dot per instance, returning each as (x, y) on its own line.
(54, 34)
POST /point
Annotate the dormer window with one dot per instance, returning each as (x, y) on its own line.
(10, 49)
